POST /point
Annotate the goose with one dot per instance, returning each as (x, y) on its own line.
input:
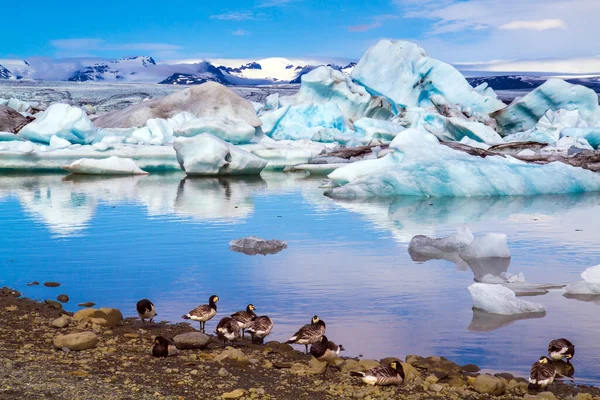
(325, 351)
(561, 348)
(146, 310)
(259, 328)
(228, 329)
(309, 334)
(163, 347)
(383, 375)
(542, 374)
(204, 312)
(244, 317)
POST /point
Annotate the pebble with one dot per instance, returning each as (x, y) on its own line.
(223, 372)
(60, 322)
(51, 284)
(63, 298)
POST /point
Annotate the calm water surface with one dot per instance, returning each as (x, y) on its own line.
(114, 241)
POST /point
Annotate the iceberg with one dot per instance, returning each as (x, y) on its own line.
(326, 85)
(58, 143)
(549, 127)
(591, 135)
(496, 299)
(206, 154)
(377, 129)
(555, 94)
(105, 166)
(286, 153)
(207, 100)
(231, 130)
(402, 72)
(61, 120)
(304, 121)
(459, 129)
(253, 245)
(590, 284)
(421, 166)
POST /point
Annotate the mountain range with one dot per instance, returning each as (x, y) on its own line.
(266, 71)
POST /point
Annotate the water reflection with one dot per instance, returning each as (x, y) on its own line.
(486, 322)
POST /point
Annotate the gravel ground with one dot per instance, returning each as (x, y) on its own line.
(120, 366)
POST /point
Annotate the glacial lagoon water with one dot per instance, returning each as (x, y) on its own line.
(114, 241)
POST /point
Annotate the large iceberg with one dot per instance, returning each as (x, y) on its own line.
(549, 127)
(207, 100)
(555, 94)
(402, 72)
(421, 166)
(105, 166)
(232, 130)
(305, 122)
(591, 135)
(63, 121)
(496, 299)
(327, 85)
(206, 154)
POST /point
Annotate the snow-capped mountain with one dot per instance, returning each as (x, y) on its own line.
(4, 73)
(276, 69)
(508, 82)
(113, 70)
(204, 72)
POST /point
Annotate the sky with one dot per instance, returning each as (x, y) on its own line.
(452, 30)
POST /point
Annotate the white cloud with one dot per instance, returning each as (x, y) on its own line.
(240, 32)
(539, 25)
(235, 16)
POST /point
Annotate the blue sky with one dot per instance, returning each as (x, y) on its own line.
(453, 30)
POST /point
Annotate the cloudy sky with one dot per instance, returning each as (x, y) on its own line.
(453, 30)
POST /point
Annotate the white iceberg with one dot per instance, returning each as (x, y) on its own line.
(555, 94)
(105, 166)
(61, 120)
(549, 127)
(590, 284)
(496, 299)
(421, 166)
(231, 130)
(458, 129)
(377, 129)
(286, 153)
(206, 154)
(404, 73)
(58, 143)
(327, 85)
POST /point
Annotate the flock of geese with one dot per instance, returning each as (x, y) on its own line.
(231, 328)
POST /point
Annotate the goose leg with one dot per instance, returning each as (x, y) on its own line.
(306, 346)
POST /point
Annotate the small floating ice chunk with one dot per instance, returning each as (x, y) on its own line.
(232, 130)
(105, 166)
(496, 299)
(58, 143)
(254, 245)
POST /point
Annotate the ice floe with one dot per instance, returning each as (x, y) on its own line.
(496, 299)
(590, 284)
(105, 166)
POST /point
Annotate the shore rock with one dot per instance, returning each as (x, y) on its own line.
(234, 355)
(107, 317)
(487, 384)
(53, 304)
(236, 394)
(191, 340)
(60, 322)
(76, 341)
(10, 120)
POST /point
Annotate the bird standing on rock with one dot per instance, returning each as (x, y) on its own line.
(309, 334)
(561, 348)
(383, 375)
(228, 329)
(325, 351)
(244, 317)
(146, 310)
(163, 347)
(204, 312)
(542, 374)
(259, 328)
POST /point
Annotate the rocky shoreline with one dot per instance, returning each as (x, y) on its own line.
(35, 362)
